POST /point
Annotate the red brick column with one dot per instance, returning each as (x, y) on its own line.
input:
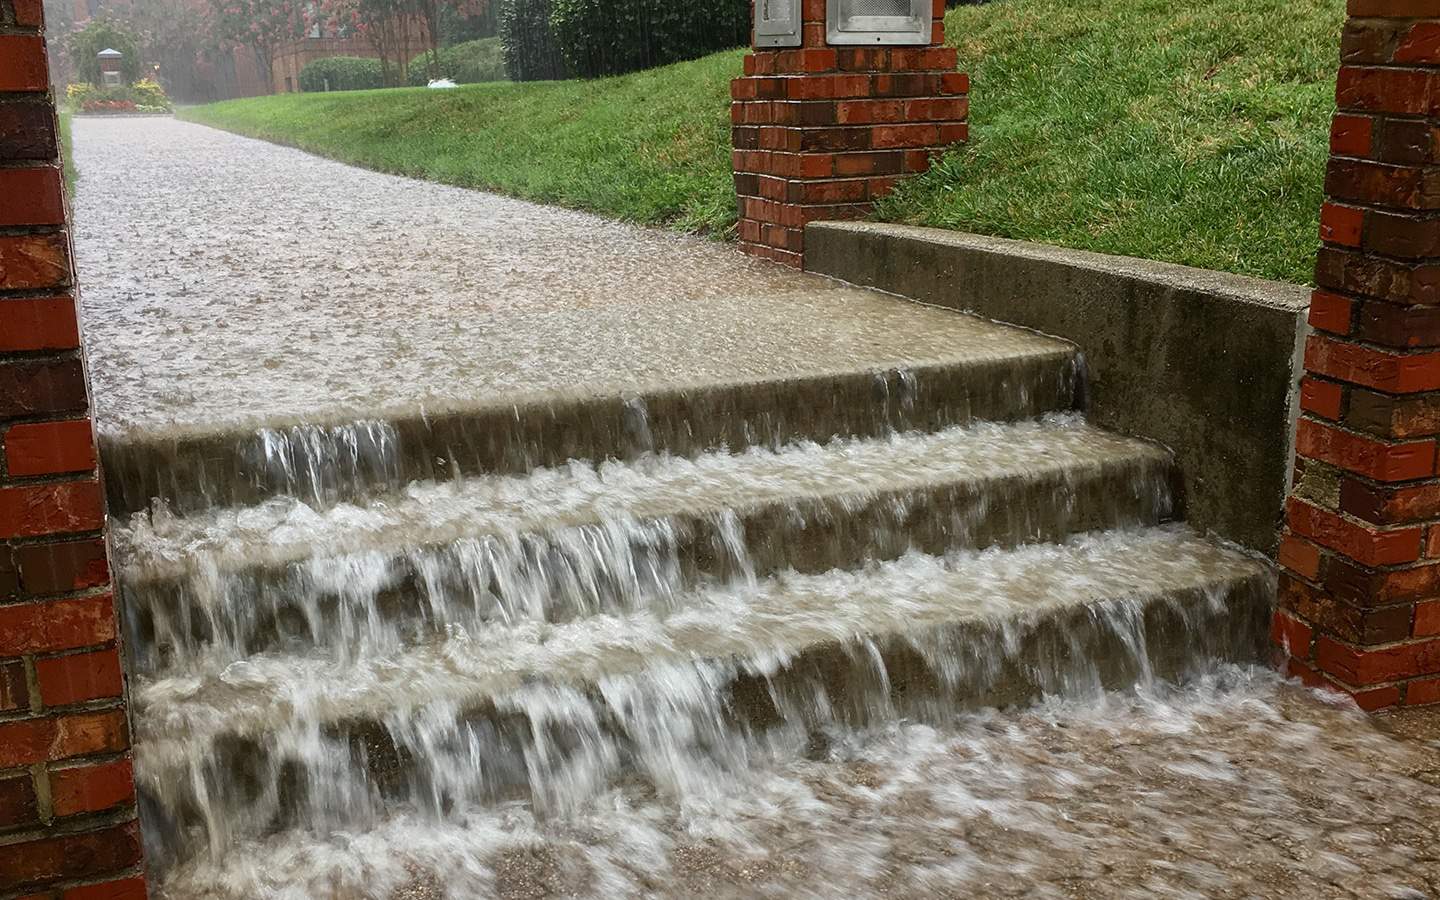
(67, 796)
(1360, 590)
(819, 132)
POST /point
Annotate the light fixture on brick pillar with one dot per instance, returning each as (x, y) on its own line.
(840, 99)
(1360, 586)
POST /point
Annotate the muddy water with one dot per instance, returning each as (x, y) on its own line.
(1235, 786)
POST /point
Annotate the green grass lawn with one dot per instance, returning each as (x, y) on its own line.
(1190, 132)
(67, 153)
(651, 147)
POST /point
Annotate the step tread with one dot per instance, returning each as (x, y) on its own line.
(755, 626)
(284, 530)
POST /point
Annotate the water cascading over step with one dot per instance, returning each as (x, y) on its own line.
(334, 629)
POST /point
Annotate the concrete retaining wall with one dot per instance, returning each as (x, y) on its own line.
(1203, 362)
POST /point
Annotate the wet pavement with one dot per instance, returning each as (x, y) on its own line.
(232, 281)
(237, 283)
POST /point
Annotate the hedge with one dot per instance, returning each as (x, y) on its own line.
(341, 73)
(611, 37)
(531, 53)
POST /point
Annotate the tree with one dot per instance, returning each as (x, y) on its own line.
(103, 34)
(385, 24)
(175, 35)
(261, 25)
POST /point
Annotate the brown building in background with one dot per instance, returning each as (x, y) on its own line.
(237, 73)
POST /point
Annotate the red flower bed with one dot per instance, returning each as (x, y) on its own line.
(122, 106)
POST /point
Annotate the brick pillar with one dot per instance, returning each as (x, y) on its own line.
(1360, 587)
(67, 796)
(819, 132)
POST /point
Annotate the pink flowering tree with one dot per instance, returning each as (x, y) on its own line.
(261, 25)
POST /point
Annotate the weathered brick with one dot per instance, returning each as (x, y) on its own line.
(69, 857)
(41, 199)
(1389, 416)
(1342, 225)
(1292, 634)
(1368, 546)
(1331, 312)
(79, 677)
(82, 789)
(63, 566)
(1349, 271)
(17, 801)
(1299, 556)
(1385, 505)
(34, 262)
(1401, 235)
(1383, 184)
(1393, 8)
(43, 323)
(49, 626)
(1427, 619)
(27, 130)
(14, 686)
(22, 63)
(1323, 398)
(1409, 142)
(1366, 587)
(49, 448)
(35, 510)
(1419, 45)
(1422, 692)
(132, 888)
(1351, 135)
(1362, 666)
(1393, 372)
(1398, 326)
(1386, 90)
(1331, 615)
(42, 387)
(1382, 461)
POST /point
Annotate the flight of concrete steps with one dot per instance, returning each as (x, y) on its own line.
(328, 625)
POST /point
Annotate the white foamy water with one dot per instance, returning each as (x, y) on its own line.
(558, 712)
(1235, 786)
(570, 542)
(285, 528)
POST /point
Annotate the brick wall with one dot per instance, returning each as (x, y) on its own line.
(820, 132)
(1360, 589)
(67, 797)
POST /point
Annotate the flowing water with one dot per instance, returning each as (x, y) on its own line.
(661, 574)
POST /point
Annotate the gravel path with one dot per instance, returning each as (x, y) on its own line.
(232, 282)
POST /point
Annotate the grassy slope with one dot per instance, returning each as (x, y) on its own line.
(67, 153)
(1192, 132)
(651, 147)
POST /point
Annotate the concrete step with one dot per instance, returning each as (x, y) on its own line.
(552, 713)
(992, 373)
(564, 543)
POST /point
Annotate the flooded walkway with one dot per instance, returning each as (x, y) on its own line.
(470, 548)
(233, 281)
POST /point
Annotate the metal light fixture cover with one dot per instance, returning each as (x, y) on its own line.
(777, 23)
(878, 21)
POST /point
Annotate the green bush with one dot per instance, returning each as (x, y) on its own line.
(530, 51)
(612, 37)
(103, 34)
(469, 63)
(342, 73)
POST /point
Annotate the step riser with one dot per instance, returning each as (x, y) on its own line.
(374, 603)
(328, 463)
(555, 747)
